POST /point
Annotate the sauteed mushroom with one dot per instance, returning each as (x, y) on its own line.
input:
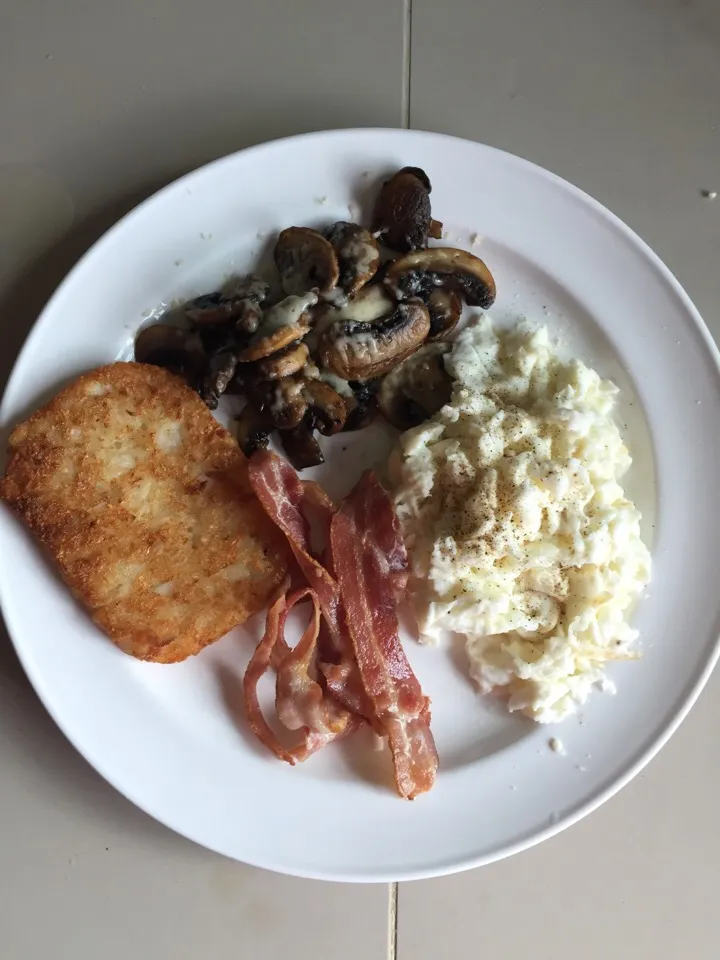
(221, 367)
(417, 388)
(402, 211)
(178, 350)
(288, 401)
(302, 447)
(361, 407)
(357, 350)
(221, 317)
(253, 430)
(345, 340)
(282, 325)
(306, 261)
(444, 307)
(419, 274)
(282, 363)
(357, 252)
(238, 304)
(325, 407)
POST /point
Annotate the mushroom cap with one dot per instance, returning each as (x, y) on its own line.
(274, 341)
(417, 388)
(283, 324)
(289, 401)
(220, 371)
(282, 363)
(361, 409)
(249, 287)
(325, 407)
(357, 252)
(364, 351)
(281, 400)
(402, 211)
(239, 303)
(444, 307)
(306, 261)
(173, 348)
(253, 430)
(419, 273)
(301, 446)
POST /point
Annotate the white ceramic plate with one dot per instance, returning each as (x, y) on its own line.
(173, 738)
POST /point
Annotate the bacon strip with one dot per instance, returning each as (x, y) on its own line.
(300, 701)
(284, 497)
(259, 663)
(370, 563)
(356, 648)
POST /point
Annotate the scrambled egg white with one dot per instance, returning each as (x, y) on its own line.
(520, 535)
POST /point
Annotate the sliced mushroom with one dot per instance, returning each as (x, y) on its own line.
(178, 350)
(326, 409)
(237, 303)
(357, 252)
(289, 401)
(306, 261)
(366, 350)
(361, 407)
(302, 447)
(282, 401)
(444, 307)
(220, 371)
(253, 430)
(419, 274)
(282, 325)
(282, 363)
(369, 304)
(417, 388)
(250, 287)
(402, 213)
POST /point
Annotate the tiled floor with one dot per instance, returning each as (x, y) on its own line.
(100, 103)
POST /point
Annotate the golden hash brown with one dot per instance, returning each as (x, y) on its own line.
(143, 500)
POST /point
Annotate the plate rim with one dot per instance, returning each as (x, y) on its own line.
(686, 700)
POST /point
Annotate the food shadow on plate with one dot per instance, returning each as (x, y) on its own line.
(367, 758)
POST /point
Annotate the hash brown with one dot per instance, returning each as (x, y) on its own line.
(142, 499)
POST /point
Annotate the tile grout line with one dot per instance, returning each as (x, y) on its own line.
(407, 64)
(405, 122)
(392, 921)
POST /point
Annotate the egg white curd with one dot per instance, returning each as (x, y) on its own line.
(519, 533)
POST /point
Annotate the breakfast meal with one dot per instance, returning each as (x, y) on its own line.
(520, 535)
(502, 519)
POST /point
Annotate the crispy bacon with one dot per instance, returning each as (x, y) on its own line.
(300, 701)
(259, 664)
(355, 649)
(370, 563)
(287, 499)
